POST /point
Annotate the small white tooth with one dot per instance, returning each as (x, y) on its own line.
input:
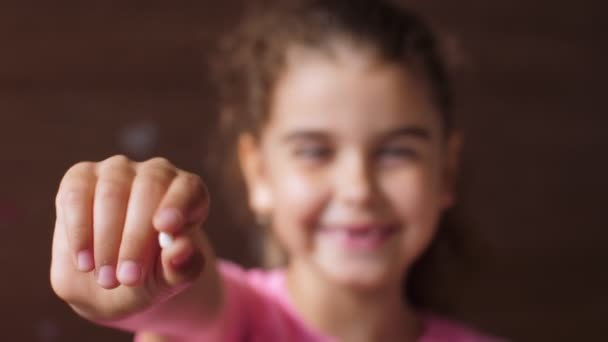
(165, 240)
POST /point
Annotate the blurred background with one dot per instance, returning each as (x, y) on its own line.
(86, 80)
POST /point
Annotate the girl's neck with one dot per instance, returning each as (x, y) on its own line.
(350, 314)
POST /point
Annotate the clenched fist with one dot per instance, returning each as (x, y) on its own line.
(106, 260)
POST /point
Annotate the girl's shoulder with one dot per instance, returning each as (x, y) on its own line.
(258, 280)
(437, 328)
(257, 299)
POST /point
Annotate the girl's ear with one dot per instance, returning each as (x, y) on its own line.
(451, 168)
(251, 163)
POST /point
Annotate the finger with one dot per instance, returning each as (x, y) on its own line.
(115, 176)
(185, 203)
(62, 272)
(75, 206)
(138, 246)
(183, 261)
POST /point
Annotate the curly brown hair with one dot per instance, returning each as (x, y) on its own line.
(252, 56)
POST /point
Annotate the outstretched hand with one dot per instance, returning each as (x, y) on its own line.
(106, 259)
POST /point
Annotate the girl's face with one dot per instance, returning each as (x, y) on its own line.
(352, 166)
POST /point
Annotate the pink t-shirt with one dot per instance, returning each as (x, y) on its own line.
(259, 310)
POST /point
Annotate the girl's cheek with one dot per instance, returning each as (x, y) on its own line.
(413, 194)
(304, 195)
(415, 201)
(300, 201)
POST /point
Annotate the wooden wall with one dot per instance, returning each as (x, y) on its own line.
(85, 80)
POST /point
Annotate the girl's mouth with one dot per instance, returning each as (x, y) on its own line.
(367, 237)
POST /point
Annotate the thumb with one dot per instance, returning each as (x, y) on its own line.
(181, 260)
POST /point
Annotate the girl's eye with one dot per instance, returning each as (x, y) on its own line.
(313, 153)
(391, 153)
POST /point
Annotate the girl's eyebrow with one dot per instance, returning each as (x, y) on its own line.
(405, 131)
(305, 135)
(409, 131)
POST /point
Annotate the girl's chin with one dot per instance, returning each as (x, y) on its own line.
(361, 276)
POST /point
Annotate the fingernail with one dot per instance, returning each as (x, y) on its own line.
(181, 259)
(85, 261)
(129, 272)
(184, 258)
(106, 276)
(168, 217)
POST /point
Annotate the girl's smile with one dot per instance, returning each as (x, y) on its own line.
(356, 238)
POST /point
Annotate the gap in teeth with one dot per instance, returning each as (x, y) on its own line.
(362, 233)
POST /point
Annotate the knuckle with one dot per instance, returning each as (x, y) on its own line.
(159, 162)
(111, 189)
(159, 172)
(78, 170)
(72, 196)
(67, 198)
(75, 181)
(198, 196)
(133, 246)
(80, 167)
(120, 159)
(157, 176)
(80, 237)
(116, 166)
(195, 182)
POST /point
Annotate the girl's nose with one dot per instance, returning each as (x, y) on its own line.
(354, 181)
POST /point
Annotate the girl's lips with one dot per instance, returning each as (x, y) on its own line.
(361, 237)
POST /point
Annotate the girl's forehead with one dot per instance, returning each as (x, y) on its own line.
(350, 92)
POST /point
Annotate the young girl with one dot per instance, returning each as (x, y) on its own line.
(341, 111)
